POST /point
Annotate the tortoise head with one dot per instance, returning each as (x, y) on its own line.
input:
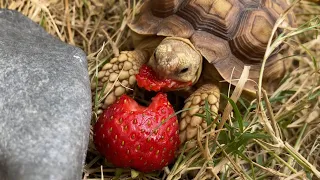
(177, 59)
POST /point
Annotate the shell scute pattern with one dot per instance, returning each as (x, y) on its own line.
(252, 36)
(228, 33)
(245, 25)
(204, 15)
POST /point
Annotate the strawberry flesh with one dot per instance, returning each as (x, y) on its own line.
(148, 80)
(132, 136)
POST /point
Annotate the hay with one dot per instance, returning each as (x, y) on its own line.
(290, 116)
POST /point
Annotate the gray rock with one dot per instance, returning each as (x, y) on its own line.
(45, 103)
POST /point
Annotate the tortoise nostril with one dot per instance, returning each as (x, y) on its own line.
(184, 70)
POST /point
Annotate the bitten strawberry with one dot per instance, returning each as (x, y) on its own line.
(133, 136)
(148, 80)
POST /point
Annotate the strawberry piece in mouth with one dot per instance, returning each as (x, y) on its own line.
(148, 80)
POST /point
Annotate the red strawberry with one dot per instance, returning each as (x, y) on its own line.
(148, 80)
(133, 136)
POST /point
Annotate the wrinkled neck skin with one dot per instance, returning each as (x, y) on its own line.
(208, 74)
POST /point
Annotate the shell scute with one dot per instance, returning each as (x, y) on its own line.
(276, 7)
(252, 37)
(251, 3)
(215, 17)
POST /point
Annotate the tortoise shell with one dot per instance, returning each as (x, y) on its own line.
(228, 33)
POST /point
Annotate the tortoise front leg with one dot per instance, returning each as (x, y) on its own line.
(195, 103)
(118, 76)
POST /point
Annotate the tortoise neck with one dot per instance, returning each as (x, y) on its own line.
(199, 72)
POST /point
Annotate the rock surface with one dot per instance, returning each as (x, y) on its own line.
(45, 103)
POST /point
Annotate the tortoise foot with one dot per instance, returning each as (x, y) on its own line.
(117, 77)
(191, 123)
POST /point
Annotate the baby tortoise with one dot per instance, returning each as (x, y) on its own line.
(202, 42)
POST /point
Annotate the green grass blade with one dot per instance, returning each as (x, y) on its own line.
(238, 116)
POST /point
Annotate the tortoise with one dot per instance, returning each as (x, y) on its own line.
(199, 41)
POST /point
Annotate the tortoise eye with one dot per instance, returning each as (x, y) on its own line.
(183, 70)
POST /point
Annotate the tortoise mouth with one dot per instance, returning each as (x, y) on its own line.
(149, 80)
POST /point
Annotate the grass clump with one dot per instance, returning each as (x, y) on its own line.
(274, 136)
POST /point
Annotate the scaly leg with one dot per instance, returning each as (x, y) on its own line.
(118, 76)
(195, 103)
